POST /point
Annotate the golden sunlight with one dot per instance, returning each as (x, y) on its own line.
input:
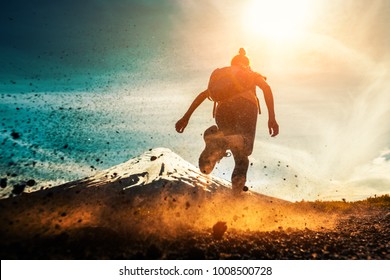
(277, 19)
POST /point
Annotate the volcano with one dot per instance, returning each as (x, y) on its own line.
(155, 182)
(159, 206)
(157, 193)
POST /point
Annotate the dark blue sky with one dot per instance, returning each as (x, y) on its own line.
(56, 39)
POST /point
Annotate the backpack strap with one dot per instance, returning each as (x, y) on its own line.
(214, 109)
(258, 105)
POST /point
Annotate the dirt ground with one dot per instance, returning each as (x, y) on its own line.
(358, 233)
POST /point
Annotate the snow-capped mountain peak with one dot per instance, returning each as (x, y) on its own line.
(154, 165)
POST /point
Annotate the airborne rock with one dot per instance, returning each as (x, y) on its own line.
(219, 229)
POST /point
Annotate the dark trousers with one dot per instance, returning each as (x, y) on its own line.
(239, 117)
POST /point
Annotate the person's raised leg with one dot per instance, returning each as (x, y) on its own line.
(215, 149)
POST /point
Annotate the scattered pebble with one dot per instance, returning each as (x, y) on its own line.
(219, 229)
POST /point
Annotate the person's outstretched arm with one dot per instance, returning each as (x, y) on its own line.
(273, 126)
(182, 123)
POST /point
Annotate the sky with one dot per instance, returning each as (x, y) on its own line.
(88, 84)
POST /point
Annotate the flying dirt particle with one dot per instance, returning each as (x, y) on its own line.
(18, 188)
(219, 229)
(15, 135)
(3, 183)
(31, 183)
(245, 189)
(153, 158)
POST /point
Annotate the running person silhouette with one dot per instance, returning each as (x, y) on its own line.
(236, 119)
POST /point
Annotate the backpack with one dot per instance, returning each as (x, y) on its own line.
(227, 82)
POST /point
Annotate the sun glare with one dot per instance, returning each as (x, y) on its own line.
(277, 19)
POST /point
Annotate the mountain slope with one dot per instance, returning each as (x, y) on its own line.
(158, 205)
(154, 196)
(155, 165)
(157, 188)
